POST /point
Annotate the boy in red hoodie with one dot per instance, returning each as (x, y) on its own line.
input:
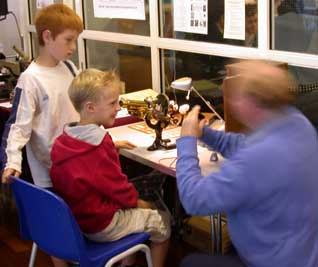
(86, 170)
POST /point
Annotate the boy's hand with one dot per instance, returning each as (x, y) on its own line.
(142, 204)
(191, 125)
(7, 173)
(124, 144)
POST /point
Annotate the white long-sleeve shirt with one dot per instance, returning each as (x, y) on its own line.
(40, 109)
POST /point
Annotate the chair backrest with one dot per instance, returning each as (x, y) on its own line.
(47, 220)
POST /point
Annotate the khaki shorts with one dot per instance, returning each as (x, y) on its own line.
(124, 222)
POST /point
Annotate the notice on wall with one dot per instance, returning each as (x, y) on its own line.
(43, 3)
(190, 16)
(128, 9)
(234, 19)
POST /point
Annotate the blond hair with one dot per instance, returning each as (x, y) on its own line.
(89, 86)
(271, 86)
(56, 18)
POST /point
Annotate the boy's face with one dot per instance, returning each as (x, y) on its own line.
(107, 106)
(63, 45)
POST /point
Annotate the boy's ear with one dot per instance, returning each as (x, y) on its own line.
(89, 106)
(46, 36)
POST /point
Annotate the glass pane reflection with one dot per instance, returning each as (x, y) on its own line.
(307, 92)
(215, 24)
(295, 26)
(207, 73)
(133, 63)
(130, 26)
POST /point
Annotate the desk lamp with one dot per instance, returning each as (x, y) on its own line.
(185, 84)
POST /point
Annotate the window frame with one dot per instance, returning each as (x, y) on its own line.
(157, 43)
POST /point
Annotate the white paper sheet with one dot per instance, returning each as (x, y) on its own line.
(6, 104)
(234, 19)
(128, 9)
(43, 3)
(190, 16)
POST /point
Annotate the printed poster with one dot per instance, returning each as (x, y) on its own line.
(190, 16)
(234, 19)
(128, 9)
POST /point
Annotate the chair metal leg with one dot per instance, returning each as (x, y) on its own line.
(33, 254)
(132, 250)
(147, 252)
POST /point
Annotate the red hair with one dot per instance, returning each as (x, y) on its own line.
(56, 18)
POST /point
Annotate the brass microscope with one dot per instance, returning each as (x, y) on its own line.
(158, 113)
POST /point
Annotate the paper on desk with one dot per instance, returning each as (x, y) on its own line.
(123, 112)
(6, 104)
(139, 95)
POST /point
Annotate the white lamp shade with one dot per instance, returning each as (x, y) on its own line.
(183, 84)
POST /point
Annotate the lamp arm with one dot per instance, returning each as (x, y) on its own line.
(207, 103)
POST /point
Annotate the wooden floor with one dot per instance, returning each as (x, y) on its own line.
(15, 252)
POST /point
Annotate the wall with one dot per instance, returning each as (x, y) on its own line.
(9, 34)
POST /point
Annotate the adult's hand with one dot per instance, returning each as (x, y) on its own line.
(7, 173)
(191, 125)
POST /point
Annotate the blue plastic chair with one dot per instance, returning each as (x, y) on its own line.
(47, 221)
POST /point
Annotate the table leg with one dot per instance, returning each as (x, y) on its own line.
(213, 235)
(219, 234)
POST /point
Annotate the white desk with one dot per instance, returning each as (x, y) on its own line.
(165, 160)
(161, 160)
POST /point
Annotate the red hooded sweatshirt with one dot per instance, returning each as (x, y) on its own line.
(86, 173)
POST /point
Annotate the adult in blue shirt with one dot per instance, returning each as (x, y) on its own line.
(268, 184)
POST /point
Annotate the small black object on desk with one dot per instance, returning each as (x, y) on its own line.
(157, 119)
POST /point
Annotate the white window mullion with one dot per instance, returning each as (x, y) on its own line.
(208, 48)
(293, 58)
(23, 20)
(263, 27)
(120, 38)
(80, 40)
(155, 53)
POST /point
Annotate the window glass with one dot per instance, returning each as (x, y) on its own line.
(130, 26)
(35, 49)
(207, 73)
(34, 45)
(295, 25)
(307, 92)
(133, 63)
(215, 24)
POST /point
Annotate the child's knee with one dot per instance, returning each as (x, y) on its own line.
(163, 229)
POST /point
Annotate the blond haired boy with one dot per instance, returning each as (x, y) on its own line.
(41, 105)
(86, 170)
